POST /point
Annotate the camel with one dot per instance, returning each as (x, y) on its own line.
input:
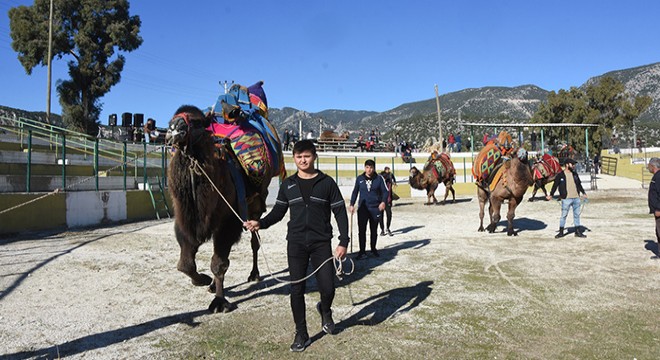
(200, 211)
(329, 135)
(438, 169)
(543, 173)
(515, 178)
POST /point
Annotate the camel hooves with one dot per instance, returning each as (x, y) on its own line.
(481, 229)
(203, 280)
(512, 233)
(254, 277)
(221, 305)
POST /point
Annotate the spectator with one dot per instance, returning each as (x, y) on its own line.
(287, 140)
(532, 138)
(654, 198)
(373, 195)
(459, 145)
(390, 183)
(485, 139)
(452, 142)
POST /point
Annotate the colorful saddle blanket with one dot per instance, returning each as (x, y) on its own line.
(442, 166)
(240, 116)
(546, 167)
(486, 162)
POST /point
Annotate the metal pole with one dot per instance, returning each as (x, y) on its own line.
(586, 142)
(96, 163)
(29, 162)
(542, 142)
(50, 57)
(144, 167)
(63, 162)
(336, 170)
(123, 165)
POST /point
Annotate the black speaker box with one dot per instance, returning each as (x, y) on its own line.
(112, 120)
(126, 119)
(138, 120)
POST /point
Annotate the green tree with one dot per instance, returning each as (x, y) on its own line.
(89, 33)
(604, 103)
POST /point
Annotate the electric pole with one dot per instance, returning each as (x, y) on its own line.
(437, 103)
(50, 57)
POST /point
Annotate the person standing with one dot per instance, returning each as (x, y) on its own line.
(373, 195)
(532, 139)
(311, 196)
(287, 140)
(570, 187)
(390, 183)
(654, 197)
(459, 143)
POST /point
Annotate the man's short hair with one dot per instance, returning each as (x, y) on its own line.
(655, 162)
(304, 145)
(386, 168)
(370, 162)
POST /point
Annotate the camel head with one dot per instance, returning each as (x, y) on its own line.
(413, 172)
(187, 125)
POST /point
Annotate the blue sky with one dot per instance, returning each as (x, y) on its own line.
(353, 55)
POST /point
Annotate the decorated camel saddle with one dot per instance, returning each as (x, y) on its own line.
(490, 159)
(546, 167)
(441, 166)
(240, 119)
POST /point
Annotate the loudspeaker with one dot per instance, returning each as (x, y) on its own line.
(138, 120)
(112, 120)
(126, 119)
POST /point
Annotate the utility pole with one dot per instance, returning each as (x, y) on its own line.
(437, 103)
(50, 57)
(224, 84)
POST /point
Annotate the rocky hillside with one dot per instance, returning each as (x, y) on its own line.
(641, 80)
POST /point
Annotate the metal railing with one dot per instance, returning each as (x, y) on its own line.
(33, 136)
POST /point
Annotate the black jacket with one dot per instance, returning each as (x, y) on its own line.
(654, 193)
(310, 223)
(560, 182)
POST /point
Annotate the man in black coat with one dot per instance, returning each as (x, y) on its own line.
(654, 196)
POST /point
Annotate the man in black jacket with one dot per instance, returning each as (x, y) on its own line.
(570, 189)
(312, 196)
(654, 197)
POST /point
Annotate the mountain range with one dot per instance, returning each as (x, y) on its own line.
(418, 121)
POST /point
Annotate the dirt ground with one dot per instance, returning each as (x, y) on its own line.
(440, 290)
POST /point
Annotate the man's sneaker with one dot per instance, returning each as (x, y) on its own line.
(327, 324)
(300, 342)
(382, 233)
(389, 232)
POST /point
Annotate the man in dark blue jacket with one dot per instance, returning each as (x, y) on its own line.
(311, 196)
(654, 197)
(373, 196)
(570, 190)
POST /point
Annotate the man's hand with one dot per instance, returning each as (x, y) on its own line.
(251, 225)
(657, 213)
(351, 209)
(340, 252)
(548, 197)
(381, 206)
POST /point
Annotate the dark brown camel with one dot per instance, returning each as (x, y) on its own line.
(429, 180)
(543, 173)
(511, 186)
(200, 212)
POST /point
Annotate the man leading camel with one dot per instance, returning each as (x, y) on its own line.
(570, 189)
(654, 197)
(373, 197)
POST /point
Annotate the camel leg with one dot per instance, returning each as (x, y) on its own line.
(495, 205)
(510, 215)
(483, 197)
(536, 188)
(254, 274)
(222, 243)
(186, 262)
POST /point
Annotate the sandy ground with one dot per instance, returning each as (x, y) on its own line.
(114, 292)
